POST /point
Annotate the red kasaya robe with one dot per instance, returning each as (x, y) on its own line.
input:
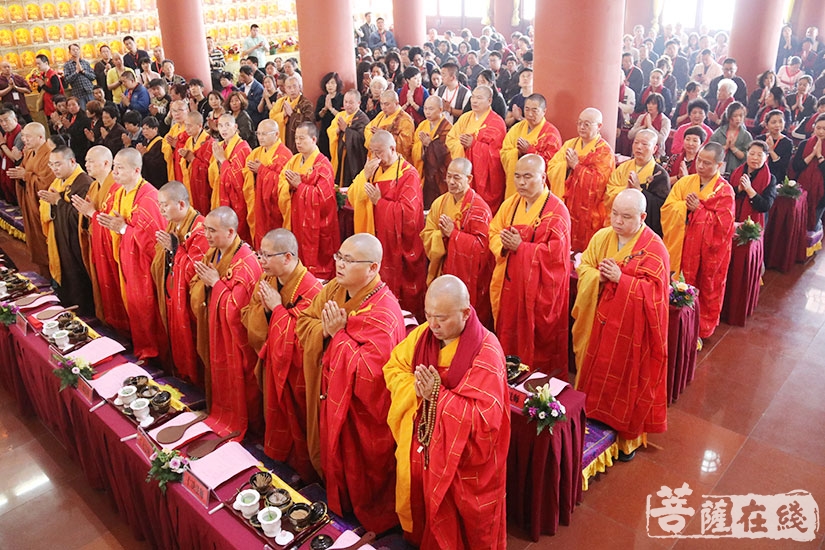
(529, 292)
(172, 272)
(233, 191)
(356, 444)
(458, 500)
(196, 173)
(397, 221)
(466, 253)
(544, 140)
(136, 252)
(7, 185)
(181, 137)
(223, 343)
(281, 367)
(310, 211)
(744, 210)
(624, 372)
(267, 214)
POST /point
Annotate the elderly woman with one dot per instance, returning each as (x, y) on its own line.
(371, 102)
(788, 75)
(756, 101)
(754, 185)
(724, 97)
(780, 147)
(733, 136)
(654, 119)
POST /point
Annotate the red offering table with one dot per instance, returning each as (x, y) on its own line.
(744, 277)
(785, 236)
(682, 333)
(10, 374)
(544, 473)
(346, 222)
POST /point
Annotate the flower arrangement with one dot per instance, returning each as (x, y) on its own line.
(273, 47)
(234, 50)
(681, 293)
(290, 41)
(789, 189)
(747, 231)
(166, 466)
(8, 313)
(32, 78)
(544, 409)
(70, 368)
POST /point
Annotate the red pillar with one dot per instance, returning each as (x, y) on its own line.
(811, 13)
(185, 44)
(503, 17)
(409, 22)
(638, 12)
(578, 61)
(326, 43)
(755, 37)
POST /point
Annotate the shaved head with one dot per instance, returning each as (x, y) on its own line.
(484, 90)
(282, 240)
(449, 289)
(368, 244)
(225, 217)
(435, 101)
(35, 129)
(195, 118)
(531, 163)
(268, 125)
(631, 198)
(130, 157)
(389, 95)
(650, 135)
(592, 114)
(383, 137)
(100, 153)
(175, 191)
(462, 165)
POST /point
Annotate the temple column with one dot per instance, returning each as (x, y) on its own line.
(577, 61)
(811, 13)
(409, 22)
(503, 17)
(185, 43)
(326, 43)
(638, 12)
(755, 37)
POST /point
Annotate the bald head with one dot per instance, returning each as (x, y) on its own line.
(589, 124)
(282, 240)
(628, 214)
(592, 114)
(632, 199)
(434, 101)
(99, 153)
(130, 157)
(383, 138)
(224, 217)
(195, 118)
(175, 191)
(35, 129)
(368, 245)
(451, 290)
(462, 165)
(268, 132)
(532, 163)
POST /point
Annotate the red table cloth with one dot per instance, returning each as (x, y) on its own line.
(786, 234)
(744, 279)
(682, 333)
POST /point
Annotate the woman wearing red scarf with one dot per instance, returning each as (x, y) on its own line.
(656, 87)
(754, 185)
(683, 164)
(774, 101)
(809, 168)
(413, 95)
(756, 101)
(805, 129)
(780, 148)
(654, 119)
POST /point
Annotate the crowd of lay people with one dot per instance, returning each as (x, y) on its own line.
(206, 227)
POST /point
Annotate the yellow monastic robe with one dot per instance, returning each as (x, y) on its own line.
(674, 214)
(265, 157)
(510, 154)
(192, 144)
(176, 130)
(431, 235)
(215, 177)
(468, 123)
(618, 181)
(557, 167)
(401, 416)
(418, 147)
(58, 186)
(511, 209)
(403, 136)
(277, 114)
(332, 134)
(603, 245)
(123, 204)
(363, 209)
(303, 167)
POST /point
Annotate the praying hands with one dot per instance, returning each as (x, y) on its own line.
(425, 381)
(207, 273)
(333, 318)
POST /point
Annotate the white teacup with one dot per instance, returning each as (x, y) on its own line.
(247, 502)
(50, 327)
(140, 407)
(127, 394)
(3, 289)
(270, 518)
(61, 338)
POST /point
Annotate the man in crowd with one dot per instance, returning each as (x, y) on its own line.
(348, 334)
(579, 172)
(224, 282)
(530, 240)
(697, 220)
(195, 158)
(78, 74)
(728, 71)
(533, 135)
(681, 65)
(291, 110)
(285, 290)
(229, 187)
(523, 81)
(346, 139)
(114, 84)
(478, 136)
(135, 96)
(34, 175)
(453, 365)
(133, 54)
(262, 173)
(13, 90)
(306, 198)
(134, 221)
(381, 37)
(255, 44)
(452, 92)
(11, 152)
(179, 248)
(456, 237)
(633, 77)
(60, 224)
(394, 120)
(101, 69)
(217, 62)
(430, 154)
(624, 274)
(254, 93)
(386, 199)
(643, 174)
(706, 70)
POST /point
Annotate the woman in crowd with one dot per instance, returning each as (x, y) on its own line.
(720, 48)
(683, 164)
(146, 75)
(759, 96)
(787, 46)
(395, 72)
(775, 100)
(780, 147)
(656, 85)
(487, 78)
(788, 75)
(94, 110)
(329, 103)
(75, 124)
(733, 136)
(802, 104)
(216, 103)
(754, 185)
(653, 119)
(724, 97)
(371, 102)
(805, 128)
(808, 166)
(668, 80)
(680, 113)
(435, 80)
(270, 95)
(236, 106)
(227, 86)
(463, 50)
(413, 95)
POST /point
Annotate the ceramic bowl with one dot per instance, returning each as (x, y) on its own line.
(161, 402)
(141, 382)
(317, 510)
(280, 498)
(149, 392)
(261, 482)
(299, 516)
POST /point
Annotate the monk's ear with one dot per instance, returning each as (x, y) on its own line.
(465, 314)
(643, 216)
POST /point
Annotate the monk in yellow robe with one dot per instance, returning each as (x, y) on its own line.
(394, 120)
(346, 140)
(430, 154)
(452, 466)
(176, 138)
(229, 188)
(291, 110)
(195, 158)
(579, 172)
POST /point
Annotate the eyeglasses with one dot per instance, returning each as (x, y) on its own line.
(264, 256)
(347, 260)
(259, 134)
(585, 123)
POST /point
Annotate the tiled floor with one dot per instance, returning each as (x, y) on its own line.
(756, 403)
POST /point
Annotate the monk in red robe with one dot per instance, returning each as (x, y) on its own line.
(179, 248)
(478, 136)
(533, 135)
(452, 465)
(262, 173)
(430, 154)
(579, 172)
(229, 188)
(176, 138)
(700, 247)
(306, 198)
(456, 237)
(529, 292)
(348, 334)
(223, 285)
(620, 332)
(33, 175)
(809, 166)
(195, 158)
(11, 152)
(386, 199)
(134, 221)
(285, 290)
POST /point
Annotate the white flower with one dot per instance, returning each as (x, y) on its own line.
(175, 464)
(75, 370)
(562, 410)
(791, 183)
(542, 415)
(554, 413)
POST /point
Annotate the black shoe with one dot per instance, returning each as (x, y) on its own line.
(626, 457)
